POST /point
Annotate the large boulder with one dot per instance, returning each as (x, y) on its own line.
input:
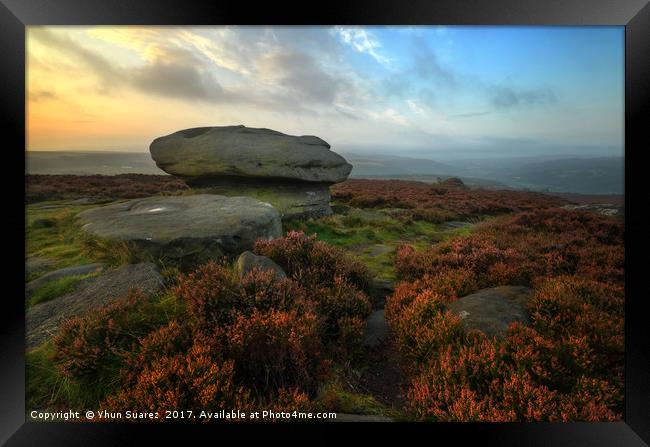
(199, 227)
(44, 320)
(492, 310)
(291, 173)
(200, 154)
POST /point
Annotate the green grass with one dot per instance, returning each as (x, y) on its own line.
(56, 288)
(59, 240)
(47, 387)
(55, 233)
(333, 396)
(372, 235)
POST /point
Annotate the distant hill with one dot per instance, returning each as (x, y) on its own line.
(89, 163)
(598, 175)
(378, 165)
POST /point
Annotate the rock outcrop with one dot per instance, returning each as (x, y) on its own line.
(293, 173)
(77, 270)
(197, 227)
(238, 151)
(44, 320)
(492, 310)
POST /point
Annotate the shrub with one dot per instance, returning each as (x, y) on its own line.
(91, 346)
(438, 203)
(334, 285)
(567, 365)
(520, 248)
(196, 380)
(274, 350)
(126, 186)
(164, 342)
(213, 293)
(313, 262)
(339, 302)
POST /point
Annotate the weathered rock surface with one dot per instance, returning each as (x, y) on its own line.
(31, 286)
(293, 200)
(36, 264)
(201, 153)
(201, 226)
(492, 310)
(44, 320)
(248, 260)
(606, 209)
(376, 329)
(455, 224)
(291, 173)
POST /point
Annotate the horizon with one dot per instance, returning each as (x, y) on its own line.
(431, 92)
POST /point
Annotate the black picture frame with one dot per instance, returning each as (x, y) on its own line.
(15, 15)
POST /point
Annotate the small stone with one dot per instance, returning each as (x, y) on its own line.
(248, 261)
(492, 310)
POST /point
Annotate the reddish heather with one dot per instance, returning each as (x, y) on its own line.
(567, 366)
(438, 203)
(238, 342)
(124, 186)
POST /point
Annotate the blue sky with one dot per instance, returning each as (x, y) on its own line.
(434, 92)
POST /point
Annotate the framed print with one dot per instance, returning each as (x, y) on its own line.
(423, 217)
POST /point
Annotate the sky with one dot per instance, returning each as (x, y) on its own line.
(432, 92)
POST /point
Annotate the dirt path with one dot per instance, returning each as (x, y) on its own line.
(382, 377)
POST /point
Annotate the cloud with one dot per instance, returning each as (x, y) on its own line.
(39, 95)
(97, 63)
(299, 73)
(504, 97)
(426, 64)
(471, 115)
(176, 81)
(362, 41)
(417, 106)
(183, 65)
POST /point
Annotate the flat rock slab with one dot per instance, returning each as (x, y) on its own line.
(376, 329)
(492, 310)
(454, 224)
(36, 264)
(44, 320)
(238, 151)
(31, 286)
(346, 417)
(201, 226)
